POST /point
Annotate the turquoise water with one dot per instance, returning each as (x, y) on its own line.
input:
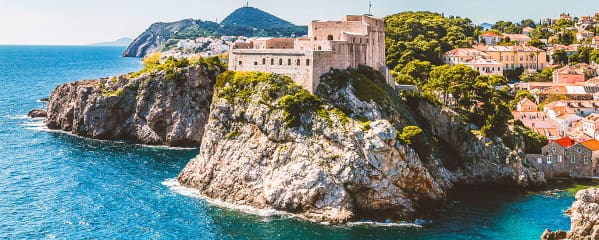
(53, 185)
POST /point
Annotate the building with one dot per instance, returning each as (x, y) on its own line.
(590, 125)
(583, 158)
(526, 105)
(520, 38)
(595, 41)
(474, 59)
(565, 16)
(582, 35)
(527, 31)
(353, 41)
(568, 74)
(512, 57)
(490, 38)
(539, 122)
(569, 49)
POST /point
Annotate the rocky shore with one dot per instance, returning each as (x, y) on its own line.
(584, 215)
(157, 108)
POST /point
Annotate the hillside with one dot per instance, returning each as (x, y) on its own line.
(253, 17)
(246, 21)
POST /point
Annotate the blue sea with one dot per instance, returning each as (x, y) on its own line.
(57, 186)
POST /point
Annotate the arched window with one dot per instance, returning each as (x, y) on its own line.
(319, 48)
(264, 61)
(281, 61)
(330, 37)
(272, 61)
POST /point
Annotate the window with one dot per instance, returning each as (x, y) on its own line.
(559, 158)
(298, 62)
(264, 61)
(553, 148)
(272, 61)
(307, 62)
(549, 159)
(539, 160)
(500, 58)
(255, 63)
(240, 62)
(578, 150)
(586, 160)
(572, 159)
(289, 62)
(280, 61)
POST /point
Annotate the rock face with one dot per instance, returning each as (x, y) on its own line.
(330, 167)
(149, 109)
(584, 215)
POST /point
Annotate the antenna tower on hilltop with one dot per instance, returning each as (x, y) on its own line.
(369, 7)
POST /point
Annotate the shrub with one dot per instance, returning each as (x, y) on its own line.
(294, 105)
(410, 134)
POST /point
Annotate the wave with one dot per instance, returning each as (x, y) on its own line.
(176, 187)
(8, 116)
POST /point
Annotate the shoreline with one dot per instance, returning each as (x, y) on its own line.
(177, 188)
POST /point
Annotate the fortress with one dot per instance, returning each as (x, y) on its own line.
(355, 40)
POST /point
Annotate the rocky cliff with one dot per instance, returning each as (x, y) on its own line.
(584, 215)
(341, 155)
(157, 108)
(156, 35)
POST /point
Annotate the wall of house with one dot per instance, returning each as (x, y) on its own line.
(579, 168)
(513, 60)
(552, 161)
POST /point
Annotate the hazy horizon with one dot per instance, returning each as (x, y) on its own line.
(71, 22)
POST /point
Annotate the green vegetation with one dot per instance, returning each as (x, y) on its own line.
(533, 141)
(424, 36)
(410, 135)
(294, 105)
(174, 67)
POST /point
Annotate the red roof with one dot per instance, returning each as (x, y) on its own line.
(565, 142)
(491, 34)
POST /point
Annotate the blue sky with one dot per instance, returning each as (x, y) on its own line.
(89, 21)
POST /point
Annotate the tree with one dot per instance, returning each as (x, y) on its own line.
(535, 42)
(528, 23)
(415, 72)
(560, 56)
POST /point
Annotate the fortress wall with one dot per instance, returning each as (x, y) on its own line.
(296, 64)
(321, 30)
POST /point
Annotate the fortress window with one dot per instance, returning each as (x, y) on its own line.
(330, 37)
(289, 62)
(255, 63)
(240, 62)
(307, 62)
(298, 62)
(264, 61)
(319, 48)
(272, 61)
(281, 61)
(353, 40)
(315, 38)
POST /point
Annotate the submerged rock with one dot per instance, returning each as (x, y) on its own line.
(584, 214)
(157, 108)
(37, 113)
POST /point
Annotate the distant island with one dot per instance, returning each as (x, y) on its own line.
(245, 21)
(121, 42)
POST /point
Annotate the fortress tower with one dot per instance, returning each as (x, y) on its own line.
(353, 41)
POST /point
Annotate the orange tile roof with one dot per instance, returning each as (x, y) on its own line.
(592, 144)
(565, 142)
(491, 34)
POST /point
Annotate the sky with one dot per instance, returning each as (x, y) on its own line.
(76, 22)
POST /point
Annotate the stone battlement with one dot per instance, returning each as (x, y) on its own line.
(355, 40)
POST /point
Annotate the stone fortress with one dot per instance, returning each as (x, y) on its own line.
(353, 41)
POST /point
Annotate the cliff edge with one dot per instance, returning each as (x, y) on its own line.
(167, 107)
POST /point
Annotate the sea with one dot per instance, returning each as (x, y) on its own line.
(54, 185)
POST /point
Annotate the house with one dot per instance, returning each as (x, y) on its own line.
(475, 59)
(569, 49)
(590, 125)
(565, 16)
(583, 158)
(527, 31)
(539, 122)
(512, 57)
(526, 105)
(583, 35)
(520, 38)
(568, 74)
(490, 38)
(552, 160)
(595, 41)
(562, 114)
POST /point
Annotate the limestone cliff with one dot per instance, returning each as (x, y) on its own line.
(158, 108)
(338, 156)
(584, 215)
